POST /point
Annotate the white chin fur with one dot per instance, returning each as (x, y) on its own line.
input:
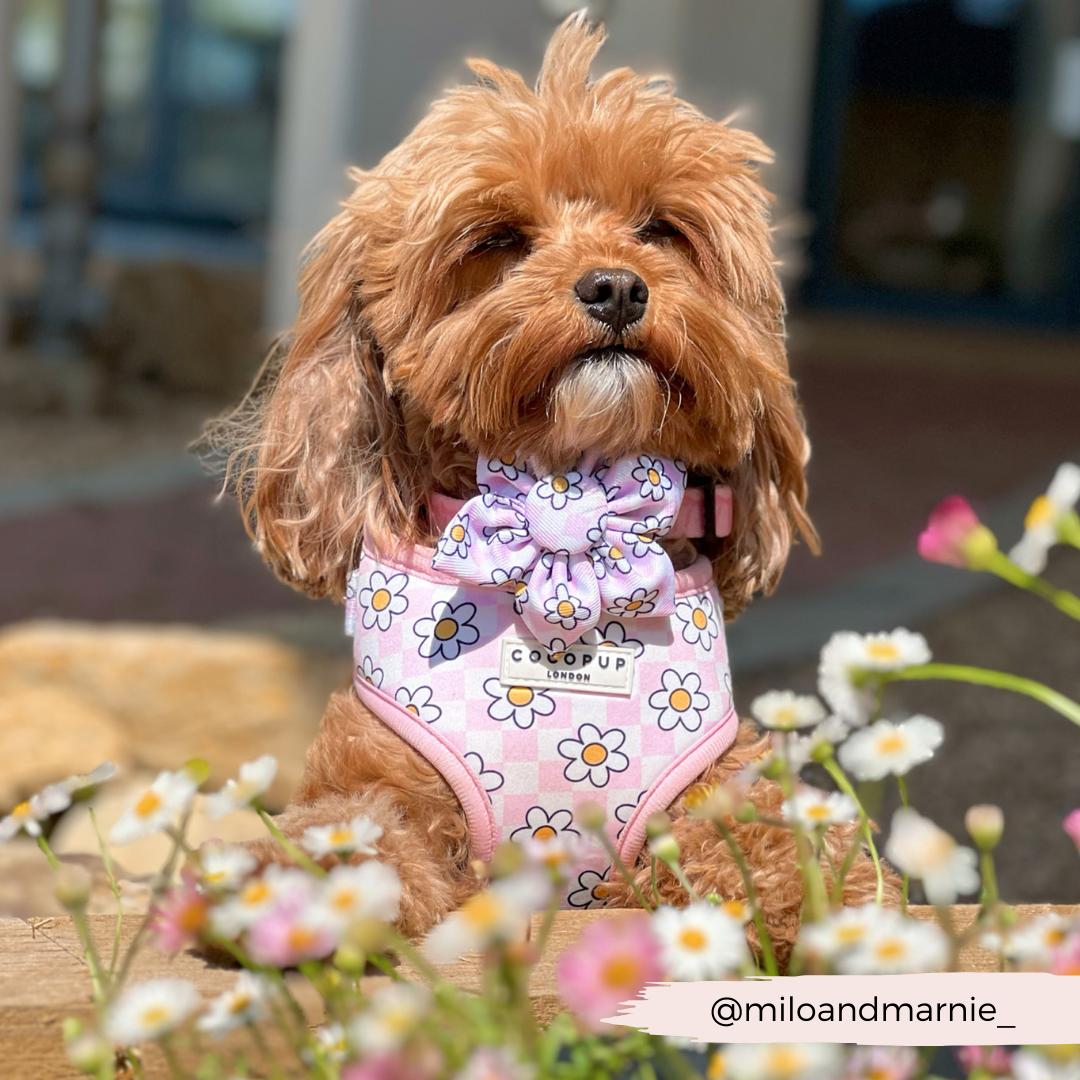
(608, 402)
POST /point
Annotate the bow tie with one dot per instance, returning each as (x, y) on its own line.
(570, 546)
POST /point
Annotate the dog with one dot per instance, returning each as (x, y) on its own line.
(572, 286)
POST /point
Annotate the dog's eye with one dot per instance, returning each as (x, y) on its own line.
(659, 229)
(506, 237)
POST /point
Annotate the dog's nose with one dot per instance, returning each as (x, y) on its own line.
(616, 298)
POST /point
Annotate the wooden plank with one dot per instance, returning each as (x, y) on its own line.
(44, 979)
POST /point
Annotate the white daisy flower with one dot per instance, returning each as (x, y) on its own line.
(342, 838)
(614, 636)
(655, 482)
(255, 779)
(558, 854)
(456, 539)
(499, 913)
(419, 703)
(225, 866)
(897, 946)
(848, 658)
(169, 795)
(540, 825)
(371, 890)
(883, 1063)
(245, 1003)
(607, 556)
(782, 1061)
(1042, 526)
(28, 815)
(699, 624)
(917, 847)
(592, 889)
(1033, 1064)
(447, 631)
(75, 784)
(369, 673)
(841, 932)
(643, 537)
(513, 580)
(391, 1016)
(382, 598)
(699, 941)
(1034, 941)
(332, 1041)
(507, 465)
(564, 609)
(886, 747)
(594, 755)
(495, 1063)
(507, 533)
(522, 704)
(559, 489)
(256, 897)
(784, 710)
(680, 701)
(640, 602)
(490, 779)
(150, 1009)
(814, 809)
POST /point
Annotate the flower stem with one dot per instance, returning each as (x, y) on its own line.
(833, 769)
(1007, 570)
(616, 859)
(106, 858)
(1001, 680)
(48, 852)
(768, 956)
(294, 852)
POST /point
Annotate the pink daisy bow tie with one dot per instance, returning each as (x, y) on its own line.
(572, 546)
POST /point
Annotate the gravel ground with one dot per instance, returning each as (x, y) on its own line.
(999, 747)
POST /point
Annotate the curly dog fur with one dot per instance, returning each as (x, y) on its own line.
(438, 321)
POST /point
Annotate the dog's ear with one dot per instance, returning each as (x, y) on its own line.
(316, 451)
(769, 499)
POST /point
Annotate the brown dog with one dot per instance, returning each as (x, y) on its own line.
(442, 317)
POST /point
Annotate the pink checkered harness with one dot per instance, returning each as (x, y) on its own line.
(627, 715)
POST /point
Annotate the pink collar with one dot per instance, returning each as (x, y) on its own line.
(690, 522)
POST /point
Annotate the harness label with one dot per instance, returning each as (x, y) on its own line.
(591, 669)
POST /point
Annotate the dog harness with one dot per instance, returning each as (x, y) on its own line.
(547, 653)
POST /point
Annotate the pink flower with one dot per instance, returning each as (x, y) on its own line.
(995, 1060)
(609, 963)
(386, 1066)
(1065, 959)
(955, 536)
(292, 931)
(1071, 825)
(181, 915)
(883, 1063)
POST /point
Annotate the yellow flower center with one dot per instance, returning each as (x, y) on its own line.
(621, 973)
(340, 836)
(155, 1014)
(699, 618)
(519, 696)
(817, 812)
(783, 1062)
(889, 949)
(653, 475)
(445, 629)
(344, 900)
(892, 743)
(648, 535)
(148, 804)
(599, 892)
(882, 650)
(735, 908)
(545, 832)
(784, 716)
(849, 935)
(594, 754)
(457, 533)
(559, 484)
(380, 598)
(240, 1001)
(693, 939)
(301, 937)
(696, 795)
(565, 609)
(482, 911)
(255, 892)
(1040, 513)
(21, 811)
(1054, 936)
(507, 460)
(615, 553)
(679, 700)
(412, 708)
(716, 1067)
(520, 587)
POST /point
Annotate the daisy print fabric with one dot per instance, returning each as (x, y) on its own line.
(573, 546)
(522, 758)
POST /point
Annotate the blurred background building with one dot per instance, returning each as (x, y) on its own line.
(163, 162)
